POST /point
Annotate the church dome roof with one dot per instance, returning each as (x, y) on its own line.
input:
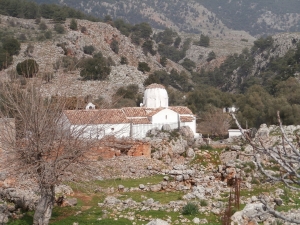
(155, 85)
(155, 96)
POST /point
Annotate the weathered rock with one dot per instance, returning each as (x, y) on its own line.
(196, 220)
(63, 190)
(263, 132)
(142, 187)
(190, 153)
(248, 213)
(166, 127)
(111, 200)
(155, 188)
(121, 188)
(23, 199)
(278, 201)
(70, 202)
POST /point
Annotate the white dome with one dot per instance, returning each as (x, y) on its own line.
(155, 96)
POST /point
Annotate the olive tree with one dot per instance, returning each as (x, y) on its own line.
(286, 155)
(42, 147)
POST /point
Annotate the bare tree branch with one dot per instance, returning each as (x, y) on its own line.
(289, 162)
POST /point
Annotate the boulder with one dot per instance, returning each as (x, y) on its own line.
(250, 211)
(166, 127)
(63, 190)
(111, 200)
(70, 202)
(263, 132)
(190, 153)
(155, 187)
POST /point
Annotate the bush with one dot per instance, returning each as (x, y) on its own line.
(47, 77)
(114, 45)
(188, 64)
(48, 34)
(143, 66)
(59, 28)
(204, 41)
(124, 60)
(211, 56)
(83, 29)
(5, 59)
(96, 68)
(43, 26)
(73, 24)
(22, 37)
(89, 49)
(163, 61)
(203, 202)
(190, 209)
(41, 37)
(28, 68)
(11, 45)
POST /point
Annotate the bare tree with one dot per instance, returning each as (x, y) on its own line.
(286, 155)
(40, 146)
(215, 122)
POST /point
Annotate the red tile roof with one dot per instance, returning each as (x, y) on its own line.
(181, 110)
(186, 118)
(152, 112)
(134, 111)
(138, 115)
(102, 116)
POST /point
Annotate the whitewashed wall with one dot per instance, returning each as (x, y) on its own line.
(165, 116)
(234, 132)
(100, 130)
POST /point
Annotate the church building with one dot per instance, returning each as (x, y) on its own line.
(134, 122)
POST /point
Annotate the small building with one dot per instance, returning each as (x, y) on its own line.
(134, 122)
(235, 132)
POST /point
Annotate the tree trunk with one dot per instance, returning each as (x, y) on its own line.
(44, 207)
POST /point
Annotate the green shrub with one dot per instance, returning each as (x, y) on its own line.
(41, 37)
(48, 34)
(83, 29)
(211, 56)
(11, 45)
(59, 28)
(124, 60)
(203, 202)
(96, 68)
(114, 45)
(89, 49)
(73, 24)
(143, 66)
(163, 61)
(5, 59)
(47, 77)
(190, 209)
(43, 26)
(28, 68)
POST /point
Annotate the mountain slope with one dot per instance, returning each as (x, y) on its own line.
(254, 16)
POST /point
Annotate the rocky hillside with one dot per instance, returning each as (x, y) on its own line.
(51, 55)
(256, 17)
(187, 16)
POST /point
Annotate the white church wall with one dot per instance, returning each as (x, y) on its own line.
(100, 130)
(165, 116)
